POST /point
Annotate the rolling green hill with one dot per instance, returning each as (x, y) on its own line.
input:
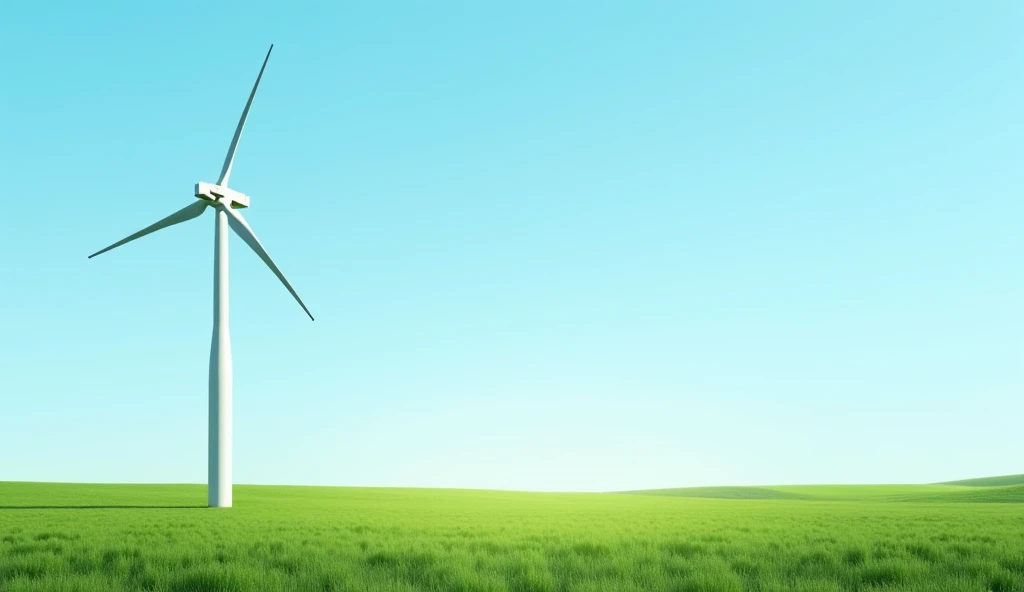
(725, 492)
(856, 493)
(1006, 494)
(988, 481)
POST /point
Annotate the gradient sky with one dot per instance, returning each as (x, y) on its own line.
(551, 246)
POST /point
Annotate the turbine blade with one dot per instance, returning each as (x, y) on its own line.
(183, 215)
(242, 229)
(225, 172)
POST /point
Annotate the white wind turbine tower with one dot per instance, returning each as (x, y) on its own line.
(224, 202)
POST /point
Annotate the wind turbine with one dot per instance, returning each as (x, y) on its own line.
(224, 202)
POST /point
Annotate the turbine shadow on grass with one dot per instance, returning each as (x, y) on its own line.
(102, 507)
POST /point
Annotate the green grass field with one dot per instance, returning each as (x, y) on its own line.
(956, 536)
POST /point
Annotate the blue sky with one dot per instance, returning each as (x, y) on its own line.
(551, 246)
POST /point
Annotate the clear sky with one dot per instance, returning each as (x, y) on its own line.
(551, 246)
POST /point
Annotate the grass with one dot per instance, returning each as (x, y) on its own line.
(68, 537)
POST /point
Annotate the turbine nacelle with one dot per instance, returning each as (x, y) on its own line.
(213, 192)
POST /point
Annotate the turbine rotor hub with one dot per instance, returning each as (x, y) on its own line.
(218, 193)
